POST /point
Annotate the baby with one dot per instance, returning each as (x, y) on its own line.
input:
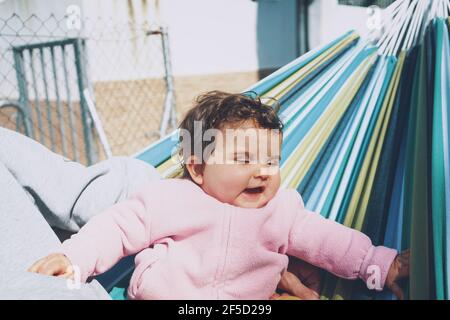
(225, 229)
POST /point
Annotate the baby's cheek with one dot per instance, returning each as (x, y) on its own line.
(229, 185)
(233, 185)
(274, 185)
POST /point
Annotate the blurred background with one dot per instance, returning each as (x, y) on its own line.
(91, 79)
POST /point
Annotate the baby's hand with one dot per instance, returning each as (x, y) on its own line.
(55, 264)
(399, 269)
(302, 280)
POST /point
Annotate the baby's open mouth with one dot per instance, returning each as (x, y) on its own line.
(254, 190)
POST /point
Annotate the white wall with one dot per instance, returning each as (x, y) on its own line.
(217, 36)
(206, 36)
(211, 36)
(329, 20)
(41, 8)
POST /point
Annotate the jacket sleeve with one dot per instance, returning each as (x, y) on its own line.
(118, 231)
(343, 251)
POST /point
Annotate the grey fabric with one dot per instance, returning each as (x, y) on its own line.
(26, 237)
(67, 193)
(39, 189)
(29, 286)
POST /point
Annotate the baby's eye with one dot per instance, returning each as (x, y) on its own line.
(273, 162)
(243, 160)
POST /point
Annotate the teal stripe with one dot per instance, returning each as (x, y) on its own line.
(438, 185)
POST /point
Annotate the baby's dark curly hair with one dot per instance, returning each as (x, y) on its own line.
(217, 110)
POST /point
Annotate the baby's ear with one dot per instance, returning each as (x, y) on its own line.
(195, 168)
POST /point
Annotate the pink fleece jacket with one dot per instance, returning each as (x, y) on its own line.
(192, 246)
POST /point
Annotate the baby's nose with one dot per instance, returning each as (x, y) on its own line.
(265, 171)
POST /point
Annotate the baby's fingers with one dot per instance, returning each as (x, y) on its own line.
(292, 285)
(52, 265)
(274, 296)
(35, 266)
(52, 268)
(68, 274)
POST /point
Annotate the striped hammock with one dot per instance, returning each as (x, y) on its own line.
(366, 141)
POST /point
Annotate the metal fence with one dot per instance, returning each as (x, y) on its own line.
(86, 92)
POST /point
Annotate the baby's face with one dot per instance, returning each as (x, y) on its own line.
(244, 168)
